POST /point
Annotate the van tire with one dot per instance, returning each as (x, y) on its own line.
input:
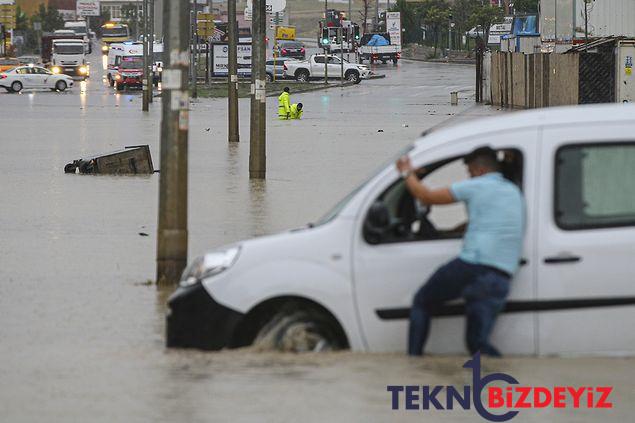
(299, 331)
(119, 87)
(111, 82)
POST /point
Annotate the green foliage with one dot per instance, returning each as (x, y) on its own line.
(130, 13)
(49, 17)
(526, 6)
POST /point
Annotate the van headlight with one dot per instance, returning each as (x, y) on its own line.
(209, 265)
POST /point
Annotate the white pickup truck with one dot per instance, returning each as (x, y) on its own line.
(374, 53)
(313, 68)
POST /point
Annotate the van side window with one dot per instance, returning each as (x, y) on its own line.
(411, 221)
(594, 186)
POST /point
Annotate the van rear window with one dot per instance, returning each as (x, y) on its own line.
(594, 186)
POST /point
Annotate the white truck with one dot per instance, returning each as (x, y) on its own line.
(313, 68)
(69, 57)
(80, 28)
(373, 53)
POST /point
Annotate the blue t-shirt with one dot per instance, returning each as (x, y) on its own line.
(496, 224)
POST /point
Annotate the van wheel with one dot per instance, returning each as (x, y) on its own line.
(16, 87)
(298, 331)
(119, 86)
(60, 86)
(111, 82)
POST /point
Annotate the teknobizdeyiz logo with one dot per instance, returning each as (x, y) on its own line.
(512, 398)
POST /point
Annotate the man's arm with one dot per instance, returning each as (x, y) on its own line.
(419, 190)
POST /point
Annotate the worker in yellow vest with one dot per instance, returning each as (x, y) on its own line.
(296, 111)
(284, 105)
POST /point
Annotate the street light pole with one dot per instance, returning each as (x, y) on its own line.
(172, 226)
(232, 74)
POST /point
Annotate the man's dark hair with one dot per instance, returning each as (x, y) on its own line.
(483, 156)
(300, 106)
(286, 89)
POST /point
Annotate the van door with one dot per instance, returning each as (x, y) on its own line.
(586, 247)
(388, 273)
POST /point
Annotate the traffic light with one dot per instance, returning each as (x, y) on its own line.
(356, 32)
(325, 36)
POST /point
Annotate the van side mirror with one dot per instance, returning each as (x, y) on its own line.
(377, 223)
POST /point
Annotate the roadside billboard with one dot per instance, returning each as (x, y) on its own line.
(88, 8)
(393, 27)
(220, 59)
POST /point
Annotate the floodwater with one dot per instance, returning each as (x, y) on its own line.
(82, 330)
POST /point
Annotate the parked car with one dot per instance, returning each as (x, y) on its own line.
(27, 77)
(313, 68)
(290, 48)
(348, 280)
(279, 68)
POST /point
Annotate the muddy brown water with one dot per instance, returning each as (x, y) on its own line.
(82, 334)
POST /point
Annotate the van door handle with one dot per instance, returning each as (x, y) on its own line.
(562, 259)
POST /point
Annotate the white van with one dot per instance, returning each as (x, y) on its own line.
(116, 53)
(349, 279)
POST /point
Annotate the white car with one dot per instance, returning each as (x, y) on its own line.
(349, 279)
(313, 68)
(27, 77)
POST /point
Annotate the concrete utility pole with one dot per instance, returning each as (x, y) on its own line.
(144, 82)
(151, 51)
(257, 139)
(194, 49)
(232, 76)
(328, 37)
(172, 228)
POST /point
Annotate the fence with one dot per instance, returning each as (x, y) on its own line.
(534, 80)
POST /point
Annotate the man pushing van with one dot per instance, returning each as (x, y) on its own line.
(491, 251)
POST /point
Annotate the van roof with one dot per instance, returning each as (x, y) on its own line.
(551, 116)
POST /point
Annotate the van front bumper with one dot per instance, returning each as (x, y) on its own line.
(195, 320)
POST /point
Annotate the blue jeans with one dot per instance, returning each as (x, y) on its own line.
(484, 290)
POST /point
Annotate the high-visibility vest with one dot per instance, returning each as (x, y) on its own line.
(284, 105)
(295, 113)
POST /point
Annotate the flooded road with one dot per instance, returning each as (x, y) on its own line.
(82, 333)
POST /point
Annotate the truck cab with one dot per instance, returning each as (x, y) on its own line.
(68, 57)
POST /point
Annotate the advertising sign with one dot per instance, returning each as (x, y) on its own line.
(393, 27)
(220, 59)
(88, 8)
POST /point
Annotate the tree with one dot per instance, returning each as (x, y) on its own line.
(485, 16)
(130, 14)
(526, 6)
(436, 19)
(49, 17)
(364, 14)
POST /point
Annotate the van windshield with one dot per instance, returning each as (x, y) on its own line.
(343, 202)
(136, 63)
(114, 32)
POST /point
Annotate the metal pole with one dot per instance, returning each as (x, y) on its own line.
(194, 48)
(232, 82)
(377, 15)
(586, 24)
(144, 82)
(172, 227)
(151, 50)
(275, 45)
(328, 37)
(257, 146)
(341, 31)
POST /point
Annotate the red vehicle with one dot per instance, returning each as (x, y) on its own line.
(129, 73)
